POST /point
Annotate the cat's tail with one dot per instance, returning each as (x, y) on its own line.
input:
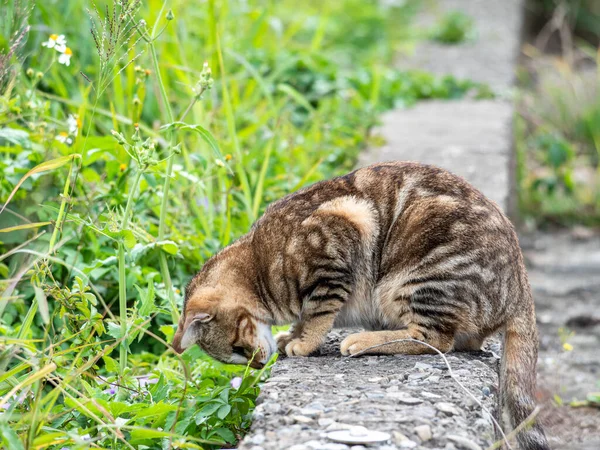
(518, 378)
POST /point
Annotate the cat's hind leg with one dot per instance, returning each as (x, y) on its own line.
(384, 340)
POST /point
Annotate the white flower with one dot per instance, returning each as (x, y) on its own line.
(65, 58)
(57, 42)
(236, 383)
(64, 137)
(73, 123)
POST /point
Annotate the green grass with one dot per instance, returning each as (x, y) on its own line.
(558, 145)
(453, 28)
(168, 163)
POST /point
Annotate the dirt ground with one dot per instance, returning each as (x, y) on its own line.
(564, 270)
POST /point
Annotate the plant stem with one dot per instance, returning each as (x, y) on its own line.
(122, 276)
(125, 219)
(164, 267)
(61, 213)
(122, 307)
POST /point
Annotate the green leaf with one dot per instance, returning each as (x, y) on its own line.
(223, 411)
(111, 365)
(24, 226)
(114, 330)
(146, 303)
(143, 434)
(155, 410)
(296, 96)
(42, 301)
(15, 137)
(125, 236)
(202, 132)
(226, 434)
(209, 409)
(43, 167)
(10, 438)
(168, 246)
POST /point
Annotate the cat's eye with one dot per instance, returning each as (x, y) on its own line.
(238, 350)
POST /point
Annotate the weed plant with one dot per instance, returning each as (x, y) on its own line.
(136, 140)
(558, 142)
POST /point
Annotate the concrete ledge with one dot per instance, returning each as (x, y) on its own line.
(489, 57)
(413, 398)
(471, 138)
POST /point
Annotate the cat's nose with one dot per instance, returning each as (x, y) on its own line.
(256, 364)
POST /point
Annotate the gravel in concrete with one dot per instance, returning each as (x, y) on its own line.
(413, 398)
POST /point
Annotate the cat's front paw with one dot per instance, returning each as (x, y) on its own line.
(298, 347)
(283, 338)
(357, 342)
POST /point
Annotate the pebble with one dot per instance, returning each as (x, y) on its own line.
(358, 435)
(417, 376)
(273, 408)
(430, 395)
(374, 395)
(399, 437)
(425, 412)
(424, 432)
(325, 422)
(316, 405)
(331, 446)
(407, 444)
(447, 408)
(311, 412)
(258, 439)
(403, 398)
(463, 442)
(302, 419)
(486, 391)
(342, 426)
(423, 366)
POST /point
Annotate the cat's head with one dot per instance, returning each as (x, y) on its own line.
(227, 325)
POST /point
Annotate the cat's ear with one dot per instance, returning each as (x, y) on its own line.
(188, 330)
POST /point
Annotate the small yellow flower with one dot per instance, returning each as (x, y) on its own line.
(228, 157)
(65, 57)
(122, 167)
(568, 347)
(177, 291)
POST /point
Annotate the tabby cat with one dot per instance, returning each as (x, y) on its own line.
(403, 250)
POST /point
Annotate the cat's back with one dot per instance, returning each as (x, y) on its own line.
(391, 188)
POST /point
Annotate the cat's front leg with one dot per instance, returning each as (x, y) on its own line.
(283, 338)
(310, 332)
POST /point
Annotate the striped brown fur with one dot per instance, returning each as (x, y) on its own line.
(404, 250)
